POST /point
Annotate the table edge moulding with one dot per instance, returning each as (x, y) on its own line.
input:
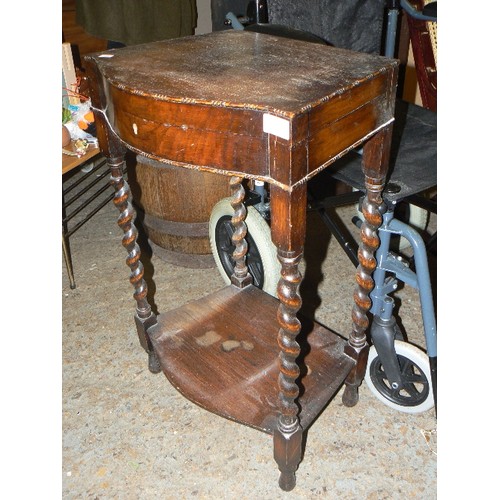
(251, 106)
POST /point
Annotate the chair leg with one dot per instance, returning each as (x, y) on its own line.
(67, 260)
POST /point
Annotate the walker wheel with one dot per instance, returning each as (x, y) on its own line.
(415, 396)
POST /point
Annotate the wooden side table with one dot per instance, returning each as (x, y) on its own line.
(251, 106)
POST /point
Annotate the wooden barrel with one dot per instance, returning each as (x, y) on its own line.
(174, 205)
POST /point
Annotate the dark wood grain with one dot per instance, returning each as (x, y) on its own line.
(425, 62)
(231, 368)
(181, 71)
(165, 101)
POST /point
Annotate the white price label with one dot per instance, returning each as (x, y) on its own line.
(276, 126)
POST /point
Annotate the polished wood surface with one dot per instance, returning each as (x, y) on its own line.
(251, 106)
(237, 363)
(176, 112)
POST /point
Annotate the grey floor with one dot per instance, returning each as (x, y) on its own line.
(128, 434)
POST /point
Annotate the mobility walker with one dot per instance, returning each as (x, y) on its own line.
(399, 374)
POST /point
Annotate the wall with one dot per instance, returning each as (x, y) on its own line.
(204, 24)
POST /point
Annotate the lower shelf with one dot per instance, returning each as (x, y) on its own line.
(221, 352)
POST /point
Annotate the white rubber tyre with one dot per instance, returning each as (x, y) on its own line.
(422, 398)
(260, 233)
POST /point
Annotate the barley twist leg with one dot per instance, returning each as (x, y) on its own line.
(375, 164)
(288, 435)
(241, 277)
(144, 317)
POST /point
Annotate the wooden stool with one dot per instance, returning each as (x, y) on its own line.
(254, 106)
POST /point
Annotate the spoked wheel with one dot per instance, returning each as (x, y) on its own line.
(415, 395)
(261, 258)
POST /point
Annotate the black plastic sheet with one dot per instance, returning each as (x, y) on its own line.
(350, 24)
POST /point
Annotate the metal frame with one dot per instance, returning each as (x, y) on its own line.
(101, 178)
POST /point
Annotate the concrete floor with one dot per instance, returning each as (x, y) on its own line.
(128, 434)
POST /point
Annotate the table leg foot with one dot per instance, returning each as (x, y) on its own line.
(288, 453)
(153, 363)
(142, 325)
(350, 397)
(287, 481)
